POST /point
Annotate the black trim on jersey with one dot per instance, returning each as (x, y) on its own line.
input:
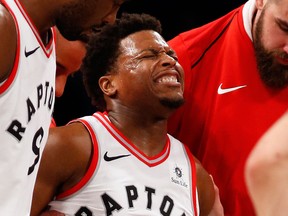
(213, 42)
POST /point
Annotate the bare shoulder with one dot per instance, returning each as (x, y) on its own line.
(64, 162)
(71, 147)
(71, 141)
(8, 42)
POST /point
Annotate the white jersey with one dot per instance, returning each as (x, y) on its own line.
(121, 180)
(26, 101)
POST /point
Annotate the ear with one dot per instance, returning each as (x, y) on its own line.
(107, 85)
(260, 4)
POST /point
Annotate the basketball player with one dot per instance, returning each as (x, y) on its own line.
(121, 161)
(27, 84)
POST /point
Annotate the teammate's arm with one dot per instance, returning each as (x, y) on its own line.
(8, 43)
(65, 160)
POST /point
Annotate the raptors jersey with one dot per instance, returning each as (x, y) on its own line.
(227, 106)
(121, 180)
(26, 101)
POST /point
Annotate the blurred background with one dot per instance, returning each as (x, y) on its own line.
(175, 16)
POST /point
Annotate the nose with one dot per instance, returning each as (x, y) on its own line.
(168, 60)
(285, 48)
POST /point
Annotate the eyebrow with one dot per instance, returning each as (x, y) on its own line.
(156, 51)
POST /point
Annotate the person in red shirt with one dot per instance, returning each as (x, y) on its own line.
(235, 88)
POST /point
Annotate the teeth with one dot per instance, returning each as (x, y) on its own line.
(167, 79)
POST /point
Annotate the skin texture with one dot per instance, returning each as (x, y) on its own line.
(134, 85)
(73, 18)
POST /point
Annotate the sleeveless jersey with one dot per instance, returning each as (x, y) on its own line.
(227, 106)
(121, 180)
(26, 101)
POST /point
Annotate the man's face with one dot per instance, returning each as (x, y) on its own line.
(148, 72)
(82, 16)
(271, 44)
(69, 55)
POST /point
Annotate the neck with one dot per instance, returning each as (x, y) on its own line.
(148, 134)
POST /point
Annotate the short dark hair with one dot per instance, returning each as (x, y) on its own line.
(103, 51)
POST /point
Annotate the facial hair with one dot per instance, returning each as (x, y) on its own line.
(71, 29)
(172, 104)
(272, 73)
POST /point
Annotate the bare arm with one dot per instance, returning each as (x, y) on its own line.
(209, 200)
(8, 43)
(65, 160)
(217, 208)
(266, 171)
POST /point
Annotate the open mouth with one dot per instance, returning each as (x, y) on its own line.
(167, 79)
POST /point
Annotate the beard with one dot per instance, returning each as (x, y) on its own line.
(272, 73)
(172, 104)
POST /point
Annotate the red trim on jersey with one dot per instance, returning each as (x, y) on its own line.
(53, 123)
(5, 85)
(149, 161)
(48, 48)
(194, 180)
(92, 166)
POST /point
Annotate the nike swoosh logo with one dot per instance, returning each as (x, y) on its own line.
(107, 158)
(227, 90)
(31, 52)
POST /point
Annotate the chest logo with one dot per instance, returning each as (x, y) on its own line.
(28, 53)
(227, 90)
(111, 158)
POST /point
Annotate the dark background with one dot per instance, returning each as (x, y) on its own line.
(175, 16)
